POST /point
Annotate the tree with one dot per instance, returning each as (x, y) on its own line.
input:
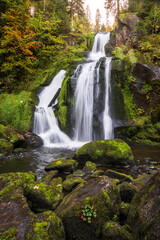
(75, 7)
(97, 21)
(17, 43)
(113, 7)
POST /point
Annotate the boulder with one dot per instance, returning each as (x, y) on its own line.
(62, 164)
(98, 195)
(144, 214)
(31, 140)
(89, 167)
(17, 220)
(106, 152)
(97, 173)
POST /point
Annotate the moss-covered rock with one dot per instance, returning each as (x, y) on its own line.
(42, 196)
(100, 192)
(89, 167)
(113, 230)
(117, 175)
(62, 164)
(5, 146)
(78, 173)
(71, 183)
(113, 152)
(144, 214)
(123, 212)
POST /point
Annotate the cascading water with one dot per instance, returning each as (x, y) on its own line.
(84, 99)
(45, 122)
(91, 110)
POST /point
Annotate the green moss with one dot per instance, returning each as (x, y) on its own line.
(62, 165)
(40, 230)
(111, 151)
(71, 183)
(5, 146)
(10, 234)
(89, 167)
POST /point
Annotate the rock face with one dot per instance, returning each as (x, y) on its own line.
(100, 193)
(144, 215)
(63, 165)
(17, 220)
(107, 152)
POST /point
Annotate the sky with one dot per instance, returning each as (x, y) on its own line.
(94, 5)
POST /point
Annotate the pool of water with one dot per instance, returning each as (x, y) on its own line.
(147, 159)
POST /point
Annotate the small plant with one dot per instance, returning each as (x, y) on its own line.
(88, 213)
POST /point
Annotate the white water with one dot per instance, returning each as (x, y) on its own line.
(45, 122)
(107, 121)
(84, 93)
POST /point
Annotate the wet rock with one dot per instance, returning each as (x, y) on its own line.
(89, 167)
(144, 214)
(123, 212)
(31, 140)
(99, 192)
(114, 152)
(120, 176)
(62, 164)
(71, 183)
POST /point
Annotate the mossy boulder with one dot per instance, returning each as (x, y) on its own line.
(62, 164)
(89, 167)
(112, 230)
(127, 191)
(17, 220)
(5, 146)
(71, 183)
(78, 173)
(43, 196)
(106, 152)
(100, 192)
(117, 175)
(123, 212)
(144, 214)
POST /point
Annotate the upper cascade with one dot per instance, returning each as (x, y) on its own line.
(98, 49)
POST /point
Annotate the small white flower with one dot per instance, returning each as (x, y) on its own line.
(35, 187)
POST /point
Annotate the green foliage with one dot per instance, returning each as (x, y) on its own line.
(88, 213)
(16, 110)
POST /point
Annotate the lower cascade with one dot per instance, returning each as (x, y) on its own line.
(91, 111)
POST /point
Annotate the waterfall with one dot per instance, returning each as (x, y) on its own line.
(91, 111)
(45, 122)
(84, 93)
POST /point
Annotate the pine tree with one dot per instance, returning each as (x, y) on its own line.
(97, 21)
